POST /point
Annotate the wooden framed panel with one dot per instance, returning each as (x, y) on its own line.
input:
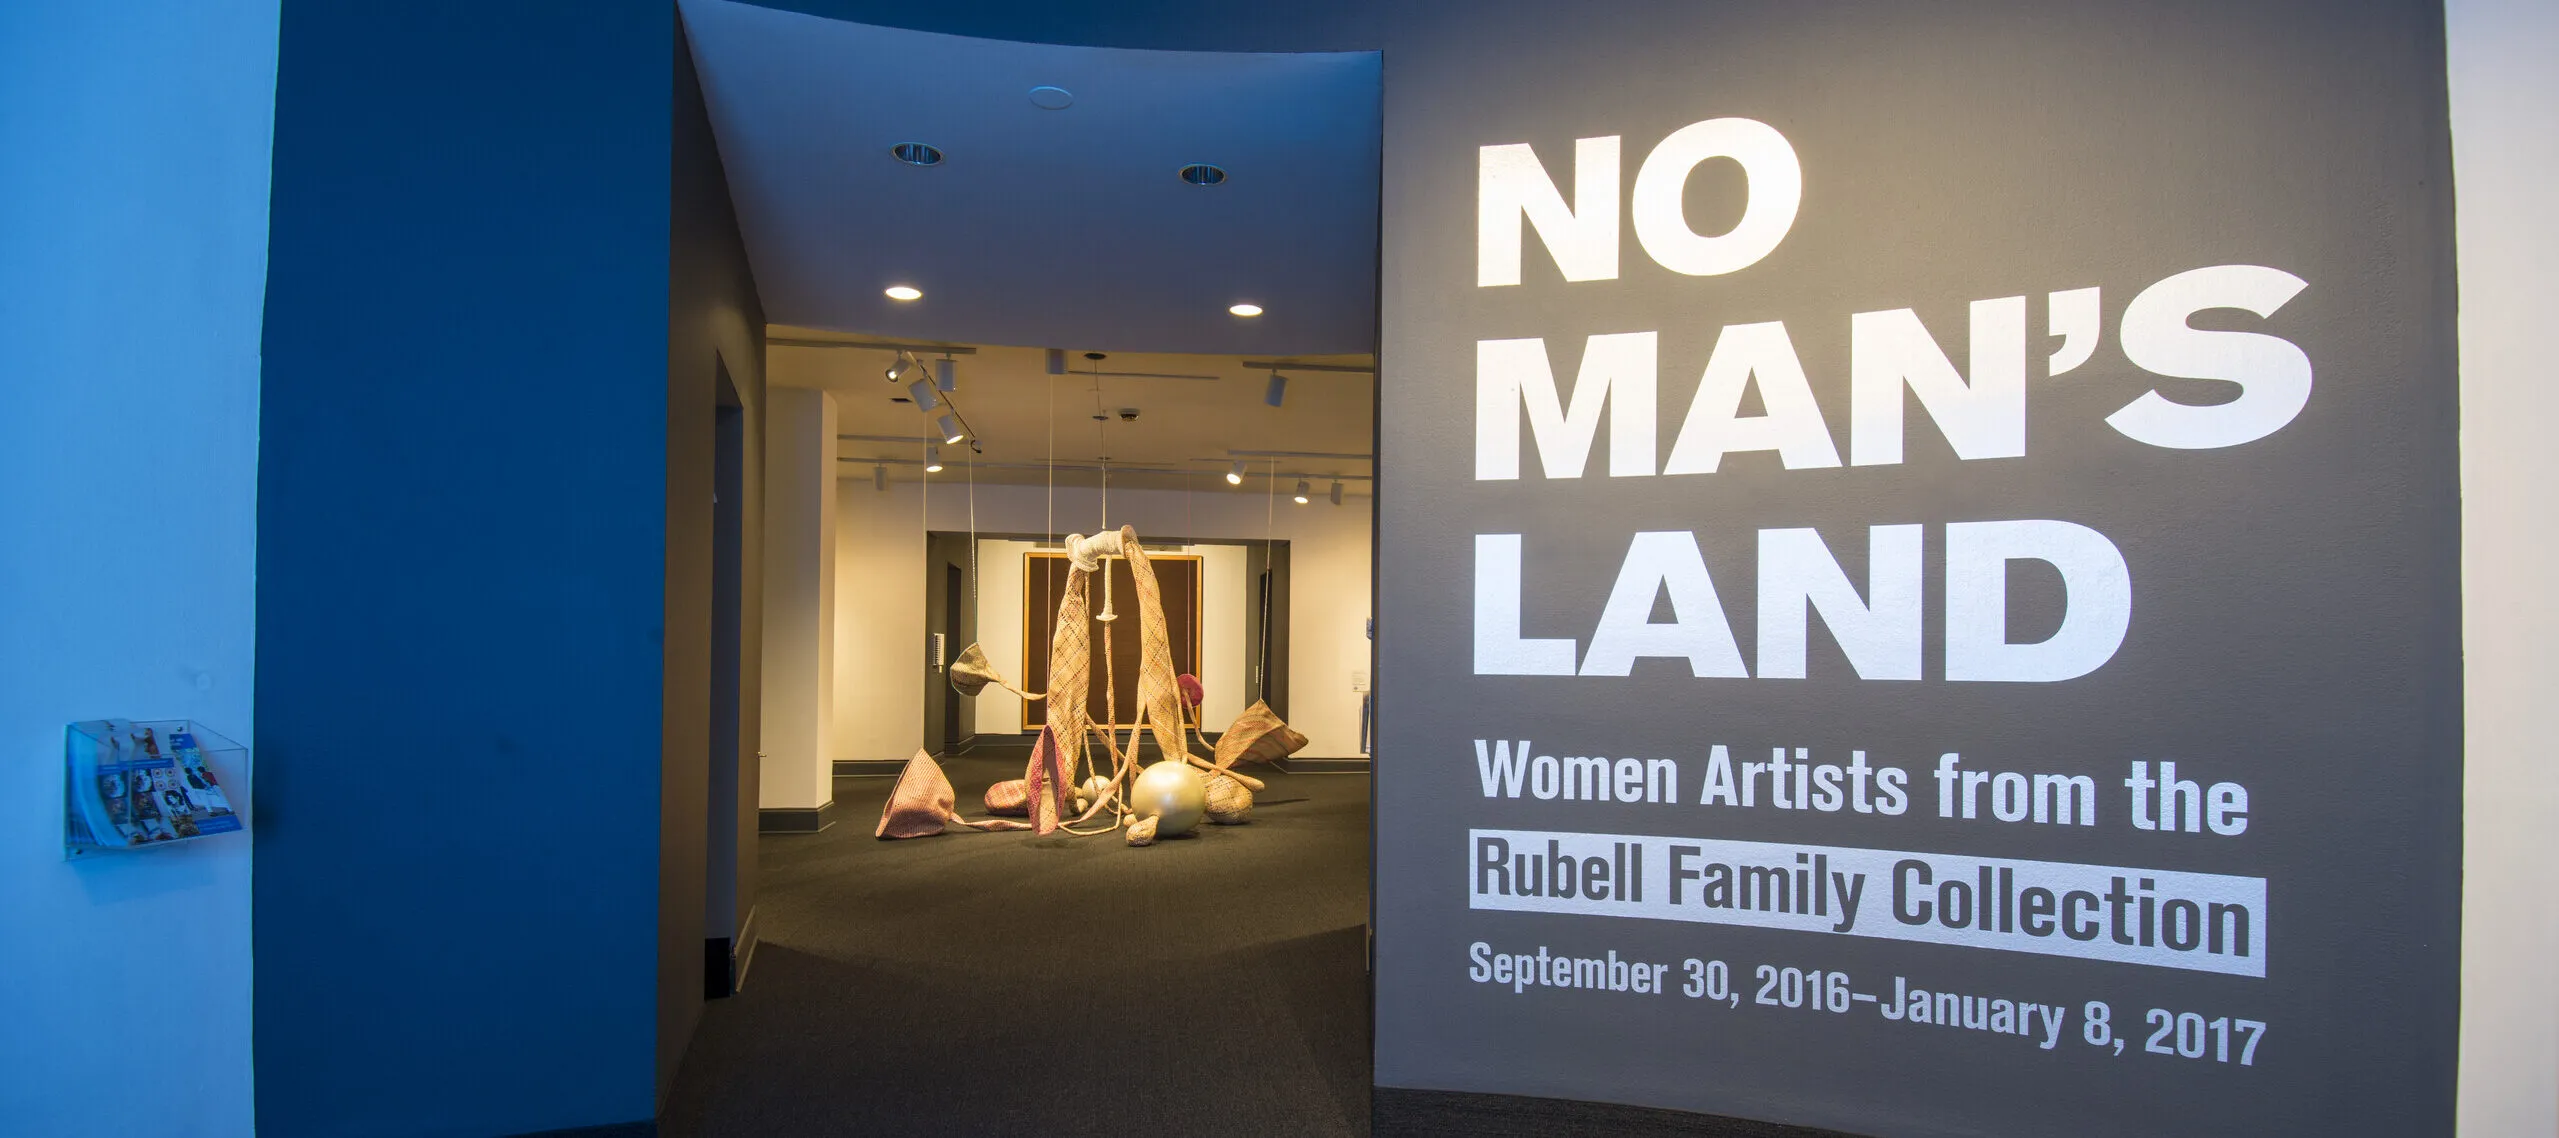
(1043, 583)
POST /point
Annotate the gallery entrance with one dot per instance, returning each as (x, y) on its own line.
(1068, 526)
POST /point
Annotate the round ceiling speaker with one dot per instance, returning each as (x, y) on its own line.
(1052, 98)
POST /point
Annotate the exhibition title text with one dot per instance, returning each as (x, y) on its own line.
(1978, 409)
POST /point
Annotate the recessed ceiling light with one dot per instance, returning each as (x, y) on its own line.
(905, 292)
(1203, 174)
(917, 153)
(1052, 98)
(1245, 309)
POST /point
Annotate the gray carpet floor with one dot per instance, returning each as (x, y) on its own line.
(1008, 983)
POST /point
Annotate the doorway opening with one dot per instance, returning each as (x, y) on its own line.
(1094, 493)
(729, 848)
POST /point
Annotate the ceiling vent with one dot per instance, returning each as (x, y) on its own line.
(917, 153)
(1203, 174)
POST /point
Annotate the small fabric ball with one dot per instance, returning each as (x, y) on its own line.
(1091, 792)
(1011, 797)
(1228, 801)
(1142, 833)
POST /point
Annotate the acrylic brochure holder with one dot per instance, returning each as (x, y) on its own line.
(136, 785)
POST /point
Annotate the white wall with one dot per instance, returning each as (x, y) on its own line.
(1223, 682)
(879, 620)
(799, 599)
(2504, 62)
(133, 229)
(880, 605)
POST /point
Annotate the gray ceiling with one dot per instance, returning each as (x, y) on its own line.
(1065, 228)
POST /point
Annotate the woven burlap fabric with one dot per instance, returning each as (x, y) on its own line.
(1057, 764)
(1159, 692)
(1257, 736)
(922, 804)
(1070, 681)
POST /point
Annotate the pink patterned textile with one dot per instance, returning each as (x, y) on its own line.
(1011, 798)
(922, 803)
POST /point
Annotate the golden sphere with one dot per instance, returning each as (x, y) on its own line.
(1174, 794)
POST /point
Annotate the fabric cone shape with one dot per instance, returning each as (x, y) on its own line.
(922, 804)
(972, 672)
(1048, 785)
(1257, 736)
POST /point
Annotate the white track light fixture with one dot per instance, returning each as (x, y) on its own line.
(1301, 491)
(1278, 391)
(1235, 473)
(950, 428)
(1337, 491)
(880, 478)
(921, 391)
(946, 374)
(932, 460)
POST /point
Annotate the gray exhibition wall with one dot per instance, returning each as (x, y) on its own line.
(2261, 590)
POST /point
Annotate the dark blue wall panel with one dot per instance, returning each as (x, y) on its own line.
(461, 549)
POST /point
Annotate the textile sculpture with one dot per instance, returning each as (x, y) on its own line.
(1054, 792)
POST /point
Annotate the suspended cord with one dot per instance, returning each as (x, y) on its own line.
(1270, 581)
(1101, 442)
(1052, 458)
(972, 536)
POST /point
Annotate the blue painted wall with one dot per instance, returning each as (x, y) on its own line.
(463, 529)
(133, 232)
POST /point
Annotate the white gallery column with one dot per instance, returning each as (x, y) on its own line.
(799, 607)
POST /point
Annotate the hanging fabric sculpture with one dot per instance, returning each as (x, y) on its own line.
(922, 804)
(1058, 757)
(1052, 792)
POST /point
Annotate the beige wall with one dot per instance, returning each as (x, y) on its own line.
(879, 620)
(799, 574)
(2505, 98)
(880, 597)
